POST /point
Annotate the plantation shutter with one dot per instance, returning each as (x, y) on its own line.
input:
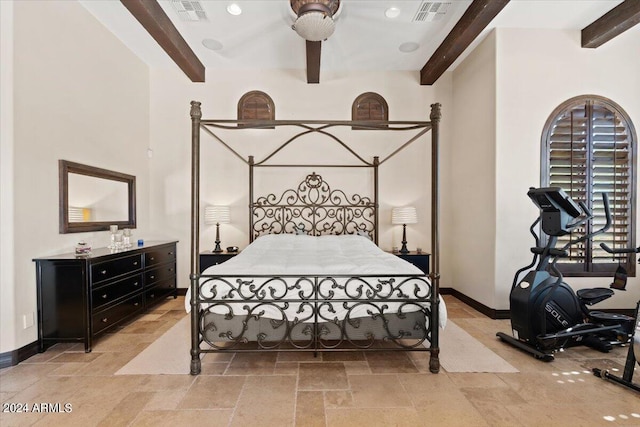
(369, 106)
(256, 105)
(590, 150)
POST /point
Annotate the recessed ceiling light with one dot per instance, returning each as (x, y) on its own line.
(234, 9)
(392, 12)
(212, 44)
(408, 47)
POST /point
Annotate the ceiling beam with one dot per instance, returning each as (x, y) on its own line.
(313, 61)
(150, 14)
(611, 24)
(475, 19)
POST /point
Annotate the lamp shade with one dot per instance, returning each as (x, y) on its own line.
(404, 215)
(217, 215)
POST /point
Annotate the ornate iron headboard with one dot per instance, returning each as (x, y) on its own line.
(315, 209)
(274, 214)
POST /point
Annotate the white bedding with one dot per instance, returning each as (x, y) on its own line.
(289, 254)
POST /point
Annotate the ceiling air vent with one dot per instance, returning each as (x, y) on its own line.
(189, 10)
(431, 11)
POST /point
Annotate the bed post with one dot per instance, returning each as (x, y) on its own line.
(196, 115)
(251, 164)
(434, 362)
(376, 219)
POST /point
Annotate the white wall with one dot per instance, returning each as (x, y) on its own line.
(503, 94)
(537, 71)
(7, 290)
(403, 180)
(471, 165)
(79, 95)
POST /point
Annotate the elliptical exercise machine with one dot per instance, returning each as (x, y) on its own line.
(546, 314)
(633, 354)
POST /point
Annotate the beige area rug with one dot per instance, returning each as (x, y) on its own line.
(169, 354)
(460, 352)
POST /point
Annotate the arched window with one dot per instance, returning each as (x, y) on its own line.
(370, 106)
(589, 147)
(256, 105)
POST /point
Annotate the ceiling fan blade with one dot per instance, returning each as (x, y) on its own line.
(313, 61)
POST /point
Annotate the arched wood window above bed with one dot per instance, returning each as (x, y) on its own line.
(370, 106)
(256, 105)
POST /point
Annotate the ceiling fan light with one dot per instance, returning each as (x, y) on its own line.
(314, 26)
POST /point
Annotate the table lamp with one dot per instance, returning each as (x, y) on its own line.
(217, 215)
(404, 215)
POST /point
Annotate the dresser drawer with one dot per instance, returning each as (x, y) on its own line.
(164, 272)
(116, 290)
(160, 255)
(160, 291)
(114, 268)
(109, 317)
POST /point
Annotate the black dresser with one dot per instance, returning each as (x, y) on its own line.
(81, 297)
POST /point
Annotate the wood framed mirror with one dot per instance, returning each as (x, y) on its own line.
(92, 199)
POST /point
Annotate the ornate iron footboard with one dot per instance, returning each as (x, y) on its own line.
(315, 314)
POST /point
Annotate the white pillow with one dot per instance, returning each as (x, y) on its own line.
(299, 230)
(364, 233)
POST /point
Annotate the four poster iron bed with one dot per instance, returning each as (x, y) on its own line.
(313, 278)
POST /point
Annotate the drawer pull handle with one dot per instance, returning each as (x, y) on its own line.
(152, 277)
(171, 269)
(105, 320)
(152, 296)
(170, 253)
(135, 284)
(152, 258)
(103, 272)
(136, 304)
(135, 263)
(104, 296)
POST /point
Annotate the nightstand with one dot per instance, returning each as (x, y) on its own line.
(420, 260)
(208, 258)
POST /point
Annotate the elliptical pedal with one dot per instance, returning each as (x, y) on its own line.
(597, 343)
(545, 357)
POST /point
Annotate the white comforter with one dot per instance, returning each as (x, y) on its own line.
(288, 254)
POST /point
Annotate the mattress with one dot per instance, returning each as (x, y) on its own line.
(296, 259)
(360, 333)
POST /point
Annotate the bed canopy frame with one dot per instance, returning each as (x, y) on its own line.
(312, 206)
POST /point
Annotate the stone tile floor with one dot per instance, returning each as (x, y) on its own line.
(336, 389)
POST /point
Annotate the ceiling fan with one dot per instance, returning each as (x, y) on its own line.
(314, 22)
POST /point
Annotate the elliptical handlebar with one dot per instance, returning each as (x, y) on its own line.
(585, 209)
(535, 253)
(582, 219)
(607, 213)
(621, 250)
(607, 225)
